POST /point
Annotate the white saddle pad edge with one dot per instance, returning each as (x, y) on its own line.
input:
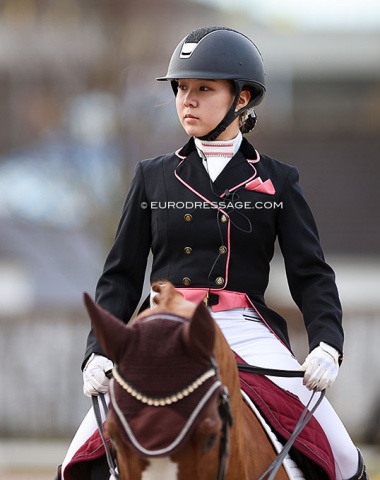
(291, 468)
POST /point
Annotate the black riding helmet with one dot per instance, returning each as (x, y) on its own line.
(219, 53)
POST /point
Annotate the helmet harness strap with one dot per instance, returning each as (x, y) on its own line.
(231, 115)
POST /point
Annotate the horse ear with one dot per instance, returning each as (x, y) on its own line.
(199, 334)
(112, 334)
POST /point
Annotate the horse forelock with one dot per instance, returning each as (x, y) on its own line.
(161, 315)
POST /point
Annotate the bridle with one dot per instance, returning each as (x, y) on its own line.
(168, 400)
(226, 417)
(224, 409)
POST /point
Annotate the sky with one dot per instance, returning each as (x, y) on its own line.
(321, 14)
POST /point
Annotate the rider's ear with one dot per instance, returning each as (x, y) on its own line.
(245, 97)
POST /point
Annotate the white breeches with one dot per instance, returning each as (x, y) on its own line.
(84, 432)
(252, 340)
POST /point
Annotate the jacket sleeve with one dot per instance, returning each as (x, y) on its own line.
(311, 280)
(120, 285)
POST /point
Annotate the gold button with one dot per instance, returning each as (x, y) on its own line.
(188, 250)
(186, 281)
(188, 217)
(219, 280)
(223, 218)
(222, 250)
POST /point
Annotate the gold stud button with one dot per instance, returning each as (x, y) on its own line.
(186, 281)
(188, 217)
(188, 250)
(222, 250)
(219, 280)
(223, 218)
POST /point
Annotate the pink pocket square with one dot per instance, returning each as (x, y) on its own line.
(259, 186)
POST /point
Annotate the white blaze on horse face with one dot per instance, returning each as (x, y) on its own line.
(160, 469)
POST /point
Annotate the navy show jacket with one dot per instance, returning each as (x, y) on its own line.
(220, 235)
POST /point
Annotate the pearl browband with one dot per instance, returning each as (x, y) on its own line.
(161, 402)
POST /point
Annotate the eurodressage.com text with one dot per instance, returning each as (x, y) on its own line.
(213, 205)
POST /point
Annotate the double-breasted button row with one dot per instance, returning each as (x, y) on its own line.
(219, 281)
(189, 250)
(187, 281)
(189, 218)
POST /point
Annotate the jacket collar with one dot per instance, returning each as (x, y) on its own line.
(237, 172)
(246, 148)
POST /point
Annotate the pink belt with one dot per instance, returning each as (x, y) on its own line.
(218, 300)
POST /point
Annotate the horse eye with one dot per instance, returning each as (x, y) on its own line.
(209, 443)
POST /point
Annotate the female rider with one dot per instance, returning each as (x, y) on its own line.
(210, 213)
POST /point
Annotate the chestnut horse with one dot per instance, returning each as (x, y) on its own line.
(172, 364)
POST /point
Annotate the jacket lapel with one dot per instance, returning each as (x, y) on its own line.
(193, 175)
(237, 172)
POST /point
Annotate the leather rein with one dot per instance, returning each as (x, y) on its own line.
(111, 457)
(306, 414)
(226, 417)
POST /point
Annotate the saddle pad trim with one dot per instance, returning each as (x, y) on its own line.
(290, 466)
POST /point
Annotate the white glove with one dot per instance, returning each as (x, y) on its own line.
(95, 380)
(321, 367)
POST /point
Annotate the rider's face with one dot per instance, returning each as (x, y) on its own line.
(202, 105)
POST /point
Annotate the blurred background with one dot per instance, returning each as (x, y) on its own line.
(80, 107)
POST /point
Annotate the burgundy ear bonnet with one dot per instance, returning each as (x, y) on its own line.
(165, 380)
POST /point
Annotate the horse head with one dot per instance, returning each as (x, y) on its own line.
(165, 418)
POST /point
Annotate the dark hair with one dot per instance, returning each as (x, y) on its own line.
(249, 123)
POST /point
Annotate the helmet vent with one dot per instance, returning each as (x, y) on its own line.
(187, 50)
(197, 35)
